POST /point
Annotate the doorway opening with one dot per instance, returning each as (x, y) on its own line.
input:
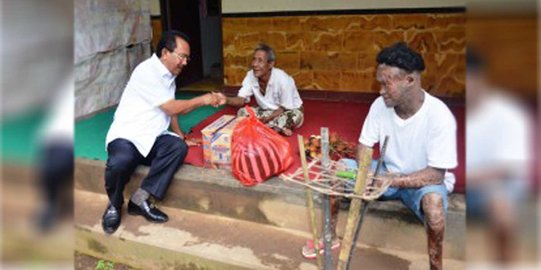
(201, 20)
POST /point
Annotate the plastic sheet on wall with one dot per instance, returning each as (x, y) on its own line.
(102, 26)
(111, 38)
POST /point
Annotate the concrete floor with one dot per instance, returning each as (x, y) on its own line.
(227, 243)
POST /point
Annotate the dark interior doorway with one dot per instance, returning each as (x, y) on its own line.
(201, 21)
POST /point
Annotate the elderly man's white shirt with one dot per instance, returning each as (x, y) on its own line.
(138, 117)
(281, 91)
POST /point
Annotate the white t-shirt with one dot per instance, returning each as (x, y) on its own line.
(59, 124)
(281, 91)
(138, 117)
(498, 132)
(428, 138)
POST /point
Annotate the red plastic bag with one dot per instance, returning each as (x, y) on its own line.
(257, 151)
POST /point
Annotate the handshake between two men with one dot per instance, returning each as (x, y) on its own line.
(214, 99)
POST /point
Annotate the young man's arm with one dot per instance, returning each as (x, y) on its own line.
(421, 178)
(418, 179)
(360, 148)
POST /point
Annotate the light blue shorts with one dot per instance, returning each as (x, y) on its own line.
(411, 197)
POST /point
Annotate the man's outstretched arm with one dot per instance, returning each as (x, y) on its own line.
(175, 106)
(235, 101)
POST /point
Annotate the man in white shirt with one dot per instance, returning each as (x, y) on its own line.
(278, 100)
(498, 159)
(422, 141)
(139, 132)
(56, 158)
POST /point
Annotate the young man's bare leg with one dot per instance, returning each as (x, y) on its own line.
(432, 205)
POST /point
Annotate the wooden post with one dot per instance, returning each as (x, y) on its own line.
(366, 203)
(327, 230)
(354, 209)
(310, 202)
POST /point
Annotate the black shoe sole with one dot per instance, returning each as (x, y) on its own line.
(109, 230)
(138, 212)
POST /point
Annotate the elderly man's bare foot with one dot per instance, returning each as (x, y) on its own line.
(287, 132)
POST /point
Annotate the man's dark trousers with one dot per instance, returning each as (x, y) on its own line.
(164, 159)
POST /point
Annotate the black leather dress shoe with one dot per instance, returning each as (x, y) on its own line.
(147, 210)
(111, 219)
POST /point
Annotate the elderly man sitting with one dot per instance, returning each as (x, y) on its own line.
(279, 103)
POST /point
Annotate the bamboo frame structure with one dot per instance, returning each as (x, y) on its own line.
(322, 176)
(327, 182)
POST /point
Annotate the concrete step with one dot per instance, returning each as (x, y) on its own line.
(276, 203)
(192, 240)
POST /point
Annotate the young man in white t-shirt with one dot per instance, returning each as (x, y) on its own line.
(277, 97)
(422, 141)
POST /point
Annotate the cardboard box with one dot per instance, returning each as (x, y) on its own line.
(217, 141)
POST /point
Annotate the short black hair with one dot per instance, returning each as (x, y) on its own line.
(401, 56)
(169, 41)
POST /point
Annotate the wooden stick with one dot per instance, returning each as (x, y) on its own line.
(310, 202)
(354, 209)
(327, 230)
(366, 203)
